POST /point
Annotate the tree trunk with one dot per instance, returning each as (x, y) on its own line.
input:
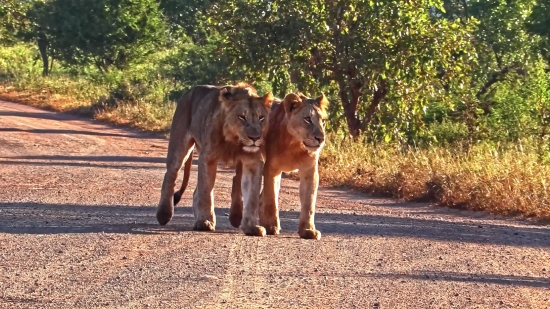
(355, 125)
(380, 93)
(43, 48)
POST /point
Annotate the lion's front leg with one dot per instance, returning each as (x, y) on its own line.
(203, 198)
(309, 182)
(250, 185)
(269, 204)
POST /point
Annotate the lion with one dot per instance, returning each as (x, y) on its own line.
(225, 124)
(294, 141)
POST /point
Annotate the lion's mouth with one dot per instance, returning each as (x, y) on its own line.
(252, 148)
(312, 148)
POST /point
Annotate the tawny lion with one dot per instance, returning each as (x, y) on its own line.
(226, 124)
(295, 138)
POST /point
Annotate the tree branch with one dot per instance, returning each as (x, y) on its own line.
(498, 77)
(379, 95)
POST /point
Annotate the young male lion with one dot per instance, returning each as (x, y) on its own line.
(226, 124)
(295, 138)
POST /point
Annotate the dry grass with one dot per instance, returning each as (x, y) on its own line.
(139, 115)
(507, 182)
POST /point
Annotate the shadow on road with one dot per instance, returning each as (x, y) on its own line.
(76, 164)
(44, 115)
(78, 161)
(74, 132)
(130, 133)
(35, 218)
(136, 159)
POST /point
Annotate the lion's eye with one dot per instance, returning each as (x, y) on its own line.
(262, 117)
(243, 118)
(307, 120)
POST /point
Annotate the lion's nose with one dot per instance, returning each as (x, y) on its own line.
(254, 137)
(320, 139)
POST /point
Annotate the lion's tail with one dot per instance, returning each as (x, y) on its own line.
(186, 173)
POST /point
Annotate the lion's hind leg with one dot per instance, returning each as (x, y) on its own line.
(186, 174)
(236, 210)
(178, 151)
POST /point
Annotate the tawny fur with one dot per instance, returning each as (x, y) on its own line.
(295, 138)
(226, 124)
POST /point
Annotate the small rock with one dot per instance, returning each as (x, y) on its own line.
(440, 258)
(479, 226)
(124, 258)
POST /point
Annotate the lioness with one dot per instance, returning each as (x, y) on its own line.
(226, 124)
(295, 138)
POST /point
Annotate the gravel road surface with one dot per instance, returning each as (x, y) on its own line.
(78, 230)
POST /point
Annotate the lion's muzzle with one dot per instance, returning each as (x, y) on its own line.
(314, 144)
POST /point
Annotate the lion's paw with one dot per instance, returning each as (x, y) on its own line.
(164, 216)
(204, 225)
(272, 229)
(235, 219)
(310, 234)
(255, 230)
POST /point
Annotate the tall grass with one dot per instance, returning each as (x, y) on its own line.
(501, 180)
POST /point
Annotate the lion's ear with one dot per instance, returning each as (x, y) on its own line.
(227, 97)
(322, 102)
(267, 100)
(292, 102)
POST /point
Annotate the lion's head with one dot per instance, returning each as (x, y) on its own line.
(305, 119)
(246, 121)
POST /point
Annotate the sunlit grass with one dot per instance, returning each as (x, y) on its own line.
(508, 180)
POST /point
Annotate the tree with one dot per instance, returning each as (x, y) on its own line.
(191, 16)
(24, 20)
(374, 52)
(504, 47)
(539, 23)
(104, 32)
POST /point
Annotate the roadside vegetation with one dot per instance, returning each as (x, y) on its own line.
(439, 101)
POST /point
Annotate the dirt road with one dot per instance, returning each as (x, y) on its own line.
(78, 230)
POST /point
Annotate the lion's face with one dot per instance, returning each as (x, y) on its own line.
(306, 119)
(246, 121)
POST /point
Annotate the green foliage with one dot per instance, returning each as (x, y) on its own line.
(389, 52)
(12, 19)
(16, 63)
(105, 32)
